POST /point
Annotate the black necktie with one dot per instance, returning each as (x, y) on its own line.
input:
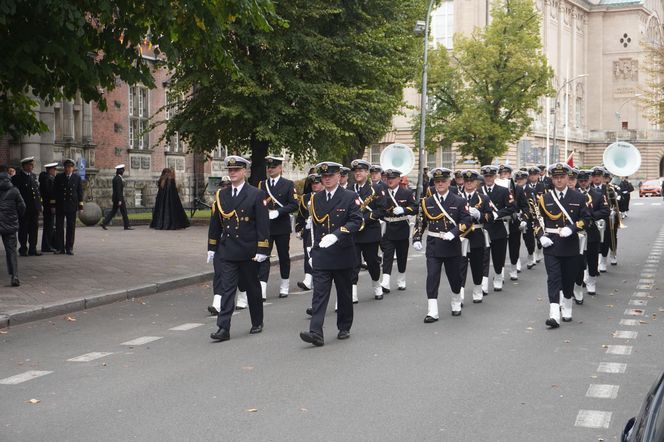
(234, 192)
(272, 183)
(490, 189)
(329, 196)
(561, 195)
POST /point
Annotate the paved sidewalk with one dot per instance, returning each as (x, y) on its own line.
(108, 266)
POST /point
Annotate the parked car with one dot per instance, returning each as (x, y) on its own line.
(650, 187)
(648, 425)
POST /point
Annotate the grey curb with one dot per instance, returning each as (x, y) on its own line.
(35, 313)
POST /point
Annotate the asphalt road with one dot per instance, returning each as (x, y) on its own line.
(495, 373)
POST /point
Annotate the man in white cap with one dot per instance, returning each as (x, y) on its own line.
(46, 183)
(26, 183)
(118, 200)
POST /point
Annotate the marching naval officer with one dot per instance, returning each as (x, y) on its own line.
(446, 217)
(68, 192)
(118, 199)
(335, 216)
(238, 242)
(281, 202)
(565, 212)
(303, 229)
(343, 178)
(46, 183)
(28, 223)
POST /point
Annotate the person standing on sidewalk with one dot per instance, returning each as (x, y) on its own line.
(46, 183)
(28, 223)
(118, 199)
(238, 241)
(12, 208)
(68, 201)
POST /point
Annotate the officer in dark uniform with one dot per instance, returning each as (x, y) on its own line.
(445, 216)
(597, 178)
(514, 238)
(457, 184)
(28, 224)
(543, 178)
(118, 199)
(565, 213)
(397, 204)
(237, 243)
(68, 191)
(335, 215)
(613, 196)
(281, 202)
(478, 240)
(46, 183)
(533, 189)
(521, 200)
(303, 229)
(367, 239)
(497, 224)
(343, 181)
(377, 177)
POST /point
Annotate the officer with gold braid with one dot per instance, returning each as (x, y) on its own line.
(237, 243)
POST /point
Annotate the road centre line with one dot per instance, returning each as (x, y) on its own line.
(90, 356)
(634, 312)
(622, 350)
(593, 419)
(185, 327)
(25, 376)
(631, 322)
(142, 340)
(625, 334)
(611, 367)
(602, 391)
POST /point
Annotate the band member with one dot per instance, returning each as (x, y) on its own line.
(457, 184)
(445, 216)
(610, 246)
(335, 216)
(398, 203)
(68, 192)
(478, 240)
(343, 178)
(303, 229)
(281, 198)
(46, 183)
(597, 177)
(238, 241)
(118, 200)
(377, 177)
(533, 189)
(497, 224)
(545, 180)
(28, 223)
(514, 237)
(367, 239)
(626, 189)
(565, 213)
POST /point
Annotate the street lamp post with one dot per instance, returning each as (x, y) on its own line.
(423, 103)
(618, 112)
(555, 114)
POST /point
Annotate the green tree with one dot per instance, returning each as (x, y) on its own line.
(324, 86)
(483, 92)
(53, 49)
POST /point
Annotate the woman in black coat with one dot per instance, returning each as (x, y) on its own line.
(168, 213)
(11, 207)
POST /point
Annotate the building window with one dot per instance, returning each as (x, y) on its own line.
(529, 154)
(139, 114)
(374, 153)
(171, 101)
(220, 152)
(432, 159)
(447, 157)
(442, 25)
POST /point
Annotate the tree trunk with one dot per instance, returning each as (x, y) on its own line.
(259, 150)
(484, 159)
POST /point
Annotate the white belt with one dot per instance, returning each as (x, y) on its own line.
(477, 226)
(436, 234)
(555, 230)
(395, 219)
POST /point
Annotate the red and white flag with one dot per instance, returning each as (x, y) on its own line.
(570, 159)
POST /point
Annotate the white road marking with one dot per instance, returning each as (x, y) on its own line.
(644, 286)
(142, 340)
(27, 376)
(593, 419)
(89, 356)
(639, 204)
(625, 334)
(619, 350)
(611, 367)
(602, 391)
(633, 312)
(629, 322)
(640, 294)
(185, 327)
(646, 281)
(638, 302)
(655, 204)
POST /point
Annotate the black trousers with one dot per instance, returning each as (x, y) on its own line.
(283, 245)
(48, 231)
(581, 269)
(529, 240)
(28, 227)
(514, 242)
(606, 244)
(228, 275)
(370, 252)
(114, 211)
(434, 267)
(476, 260)
(63, 243)
(390, 247)
(592, 255)
(9, 241)
(561, 272)
(322, 286)
(497, 253)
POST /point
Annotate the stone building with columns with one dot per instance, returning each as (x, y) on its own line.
(601, 39)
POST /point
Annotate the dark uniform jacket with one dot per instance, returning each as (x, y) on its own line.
(397, 230)
(504, 208)
(370, 196)
(28, 186)
(118, 189)
(46, 190)
(284, 191)
(340, 217)
(576, 205)
(68, 193)
(535, 190)
(598, 210)
(301, 218)
(239, 226)
(476, 234)
(521, 203)
(434, 220)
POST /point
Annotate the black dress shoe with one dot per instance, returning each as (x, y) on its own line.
(310, 311)
(429, 319)
(378, 297)
(15, 281)
(343, 334)
(34, 253)
(456, 313)
(283, 295)
(354, 302)
(23, 253)
(385, 290)
(60, 252)
(237, 307)
(213, 311)
(567, 319)
(256, 329)
(221, 335)
(312, 338)
(552, 323)
(103, 226)
(129, 228)
(578, 302)
(477, 301)
(69, 252)
(303, 286)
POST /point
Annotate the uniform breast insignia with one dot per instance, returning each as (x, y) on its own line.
(580, 224)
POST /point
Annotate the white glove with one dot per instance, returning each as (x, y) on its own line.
(546, 241)
(565, 232)
(298, 235)
(475, 213)
(274, 214)
(448, 236)
(618, 197)
(327, 241)
(523, 226)
(309, 224)
(495, 215)
(601, 224)
(260, 257)
(417, 245)
(210, 257)
(398, 210)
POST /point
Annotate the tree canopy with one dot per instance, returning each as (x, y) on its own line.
(482, 93)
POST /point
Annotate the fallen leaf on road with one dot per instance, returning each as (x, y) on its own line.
(539, 299)
(33, 401)
(638, 310)
(3, 332)
(248, 368)
(252, 410)
(660, 309)
(643, 322)
(529, 328)
(70, 319)
(593, 376)
(303, 410)
(555, 386)
(609, 305)
(567, 341)
(605, 346)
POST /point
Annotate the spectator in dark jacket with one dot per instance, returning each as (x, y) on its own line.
(626, 189)
(11, 207)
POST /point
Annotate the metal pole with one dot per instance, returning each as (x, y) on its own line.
(423, 106)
